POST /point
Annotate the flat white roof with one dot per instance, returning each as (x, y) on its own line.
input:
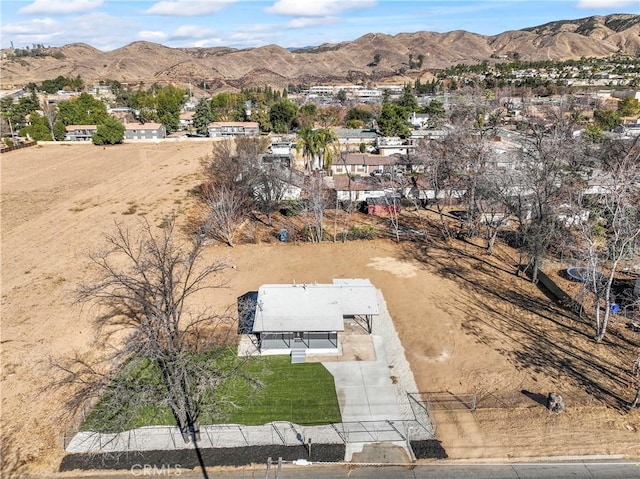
(312, 307)
(358, 296)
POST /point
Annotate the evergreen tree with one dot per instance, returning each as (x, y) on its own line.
(629, 106)
(110, 132)
(393, 121)
(203, 116)
(84, 110)
(38, 130)
(282, 115)
(606, 119)
(408, 100)
(59, 131)
(168, 102)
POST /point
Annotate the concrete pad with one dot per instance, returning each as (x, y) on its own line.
(364, 388)
(389, 453)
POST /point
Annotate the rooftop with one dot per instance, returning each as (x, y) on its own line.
(313, 307)
(246, 124)
(366, 160)
(142, 126)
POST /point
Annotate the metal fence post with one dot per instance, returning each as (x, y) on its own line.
(268, 468)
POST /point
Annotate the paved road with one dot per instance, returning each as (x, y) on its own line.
(574, 470)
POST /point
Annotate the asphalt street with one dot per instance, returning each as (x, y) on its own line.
(574, 470)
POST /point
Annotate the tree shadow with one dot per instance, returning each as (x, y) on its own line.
(544, 335)
(247, 304)
(535, 397)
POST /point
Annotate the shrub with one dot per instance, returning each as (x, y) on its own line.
(291, 208)
(367, 232)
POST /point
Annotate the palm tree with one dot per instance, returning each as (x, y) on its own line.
(318, 145)
(307, 145)
(326, 142)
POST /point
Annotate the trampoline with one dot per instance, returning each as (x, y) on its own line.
(578, 273)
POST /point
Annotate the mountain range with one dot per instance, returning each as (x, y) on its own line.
(374, 56)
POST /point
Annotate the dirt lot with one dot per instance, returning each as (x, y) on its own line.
(467, 323)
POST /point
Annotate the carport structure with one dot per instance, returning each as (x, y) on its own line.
(308, 317)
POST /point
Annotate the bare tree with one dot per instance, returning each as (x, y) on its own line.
(270, 187)
(235, 164)
(315, 204)
(225, 208)
(547, 173)
(144, 289)
(470, 164)
(490, 209)
(347, 207)
(612, 233)
(233, 176)
(50, 113)
(392, 184)
(438, 182)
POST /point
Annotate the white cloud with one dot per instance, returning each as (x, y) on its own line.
(100, 30)
(38, 30)
(305, 22)
(249, 39)
(35, 26)
(606, 3)
(60, 6)
(209, 42)
(100, 24)
(152, 36)
(188, 8)
(192, 31)
(317, 8)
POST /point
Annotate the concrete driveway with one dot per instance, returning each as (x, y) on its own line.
(365, 389)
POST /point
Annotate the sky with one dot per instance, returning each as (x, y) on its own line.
(110, 24)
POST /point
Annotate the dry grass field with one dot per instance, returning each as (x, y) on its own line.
(467, 323)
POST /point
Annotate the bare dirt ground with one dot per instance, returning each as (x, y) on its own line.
(467, 323)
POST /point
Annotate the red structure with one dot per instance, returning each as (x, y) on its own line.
(384, 206)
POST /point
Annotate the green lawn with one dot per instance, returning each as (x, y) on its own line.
(300, 393)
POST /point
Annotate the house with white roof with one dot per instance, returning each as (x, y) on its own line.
(298, 318)
(362, 164)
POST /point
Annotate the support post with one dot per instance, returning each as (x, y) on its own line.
(279, 468)
(268, 468)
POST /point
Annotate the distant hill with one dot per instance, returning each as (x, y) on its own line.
(373, 56)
